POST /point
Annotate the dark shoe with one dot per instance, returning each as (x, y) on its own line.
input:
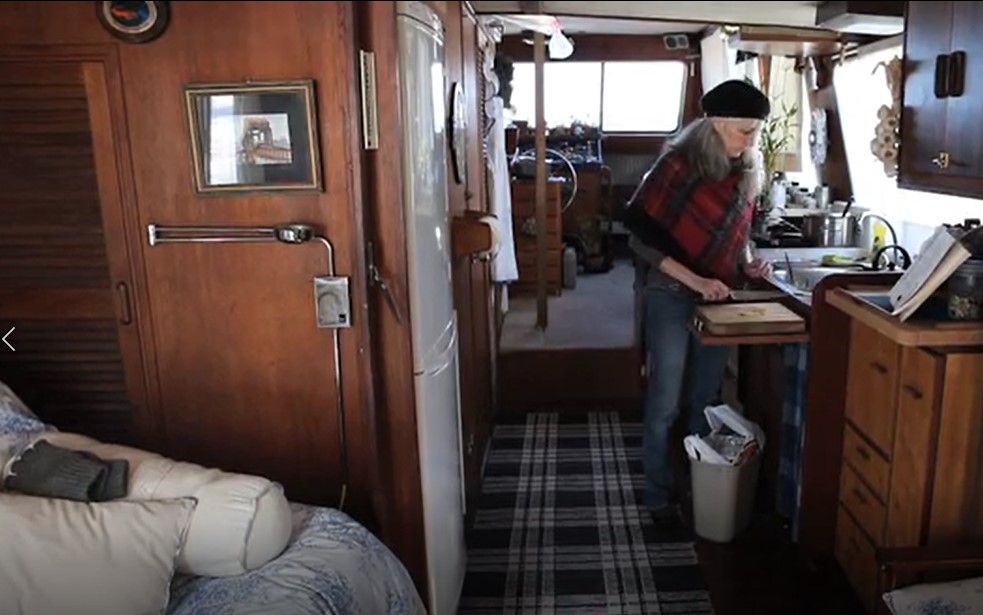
(666, 516)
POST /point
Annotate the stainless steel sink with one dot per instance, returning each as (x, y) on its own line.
(806, 277)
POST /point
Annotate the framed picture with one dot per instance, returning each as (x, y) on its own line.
(253, 136)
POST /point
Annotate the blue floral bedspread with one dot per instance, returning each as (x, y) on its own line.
(333, 564)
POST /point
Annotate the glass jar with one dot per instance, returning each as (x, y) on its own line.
(966, 291)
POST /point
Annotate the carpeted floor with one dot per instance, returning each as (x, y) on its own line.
(560, 528)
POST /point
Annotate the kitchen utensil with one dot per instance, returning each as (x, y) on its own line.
(830, 230)
(748, 296)
(740, 295)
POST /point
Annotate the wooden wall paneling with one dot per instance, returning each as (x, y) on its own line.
(463, 196)
(245, 378)
(835, 172)
(480, 280)
(400, 507)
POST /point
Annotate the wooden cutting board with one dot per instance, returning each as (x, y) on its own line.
(756, 318)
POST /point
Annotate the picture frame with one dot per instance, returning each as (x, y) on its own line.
(253, 136)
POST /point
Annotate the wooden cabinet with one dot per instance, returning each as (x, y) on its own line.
(940, 125)
(910, 468)
(524, 232)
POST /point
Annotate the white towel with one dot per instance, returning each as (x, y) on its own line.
(503, 266)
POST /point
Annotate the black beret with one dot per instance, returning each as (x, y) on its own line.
(736, 98)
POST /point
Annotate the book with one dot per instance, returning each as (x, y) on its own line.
(940, 256)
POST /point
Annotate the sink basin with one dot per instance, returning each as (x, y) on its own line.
(806, 277)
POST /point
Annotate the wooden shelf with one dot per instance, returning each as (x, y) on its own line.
(796, 42)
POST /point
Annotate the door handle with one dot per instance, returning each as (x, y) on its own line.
(941, 75)
(956, 74)
(123, 294)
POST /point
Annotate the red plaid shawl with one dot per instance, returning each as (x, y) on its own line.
(703, 225)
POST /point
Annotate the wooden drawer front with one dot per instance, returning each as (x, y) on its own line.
(524, 199)
(870, 465)
(857, 557)
(860, 501)
(914, 446)
(872, 385)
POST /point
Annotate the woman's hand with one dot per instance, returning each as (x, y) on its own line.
(757, 269)
(712, 289)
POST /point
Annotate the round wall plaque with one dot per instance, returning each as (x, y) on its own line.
(133, 22)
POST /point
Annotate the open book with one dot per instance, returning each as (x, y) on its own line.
(940, 256)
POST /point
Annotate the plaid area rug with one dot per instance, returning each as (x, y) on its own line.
(560, 527)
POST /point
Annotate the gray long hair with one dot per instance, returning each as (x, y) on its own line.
(704, 149)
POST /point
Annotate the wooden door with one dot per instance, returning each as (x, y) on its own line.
(965, 111)
(247, 380)
(940, 148)
(66, 281)
(927, 37)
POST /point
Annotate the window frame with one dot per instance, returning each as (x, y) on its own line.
(683, 91)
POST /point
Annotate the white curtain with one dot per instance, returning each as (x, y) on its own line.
(718, 61)
(504, 268)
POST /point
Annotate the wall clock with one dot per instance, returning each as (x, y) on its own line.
(133, 22)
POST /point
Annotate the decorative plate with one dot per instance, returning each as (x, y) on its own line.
(133, 22)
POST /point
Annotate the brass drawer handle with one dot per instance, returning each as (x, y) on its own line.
(863, 453)
(880, 367)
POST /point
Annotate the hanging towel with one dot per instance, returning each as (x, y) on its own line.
(503, 266)
(47, 470)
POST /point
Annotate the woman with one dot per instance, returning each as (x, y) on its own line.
(690, 220)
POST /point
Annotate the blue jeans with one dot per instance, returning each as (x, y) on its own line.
(675, 358)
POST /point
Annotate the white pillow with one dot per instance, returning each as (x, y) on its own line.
(110, 558)
(957, 597)
(240, 523)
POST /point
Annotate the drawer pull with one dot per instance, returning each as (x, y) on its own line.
(914, 392)
(860, 495)
(880, 367)
(863, 453)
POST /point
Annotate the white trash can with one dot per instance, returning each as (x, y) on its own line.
(724, 473)
(723, 497)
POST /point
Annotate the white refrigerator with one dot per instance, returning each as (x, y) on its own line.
(433, 318)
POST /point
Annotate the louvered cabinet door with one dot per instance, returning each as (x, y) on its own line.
(65, 283)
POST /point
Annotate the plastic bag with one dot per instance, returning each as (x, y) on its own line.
(732, 439)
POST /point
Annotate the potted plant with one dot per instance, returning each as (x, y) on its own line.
(776, 135)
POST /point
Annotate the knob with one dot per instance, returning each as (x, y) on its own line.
(942, 160)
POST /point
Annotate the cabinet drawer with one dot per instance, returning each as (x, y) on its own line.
(872, 385)
(870, 465)
(860, 501)
(858, 558)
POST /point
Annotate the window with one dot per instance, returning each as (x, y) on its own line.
(861, 89)
(620, 97)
